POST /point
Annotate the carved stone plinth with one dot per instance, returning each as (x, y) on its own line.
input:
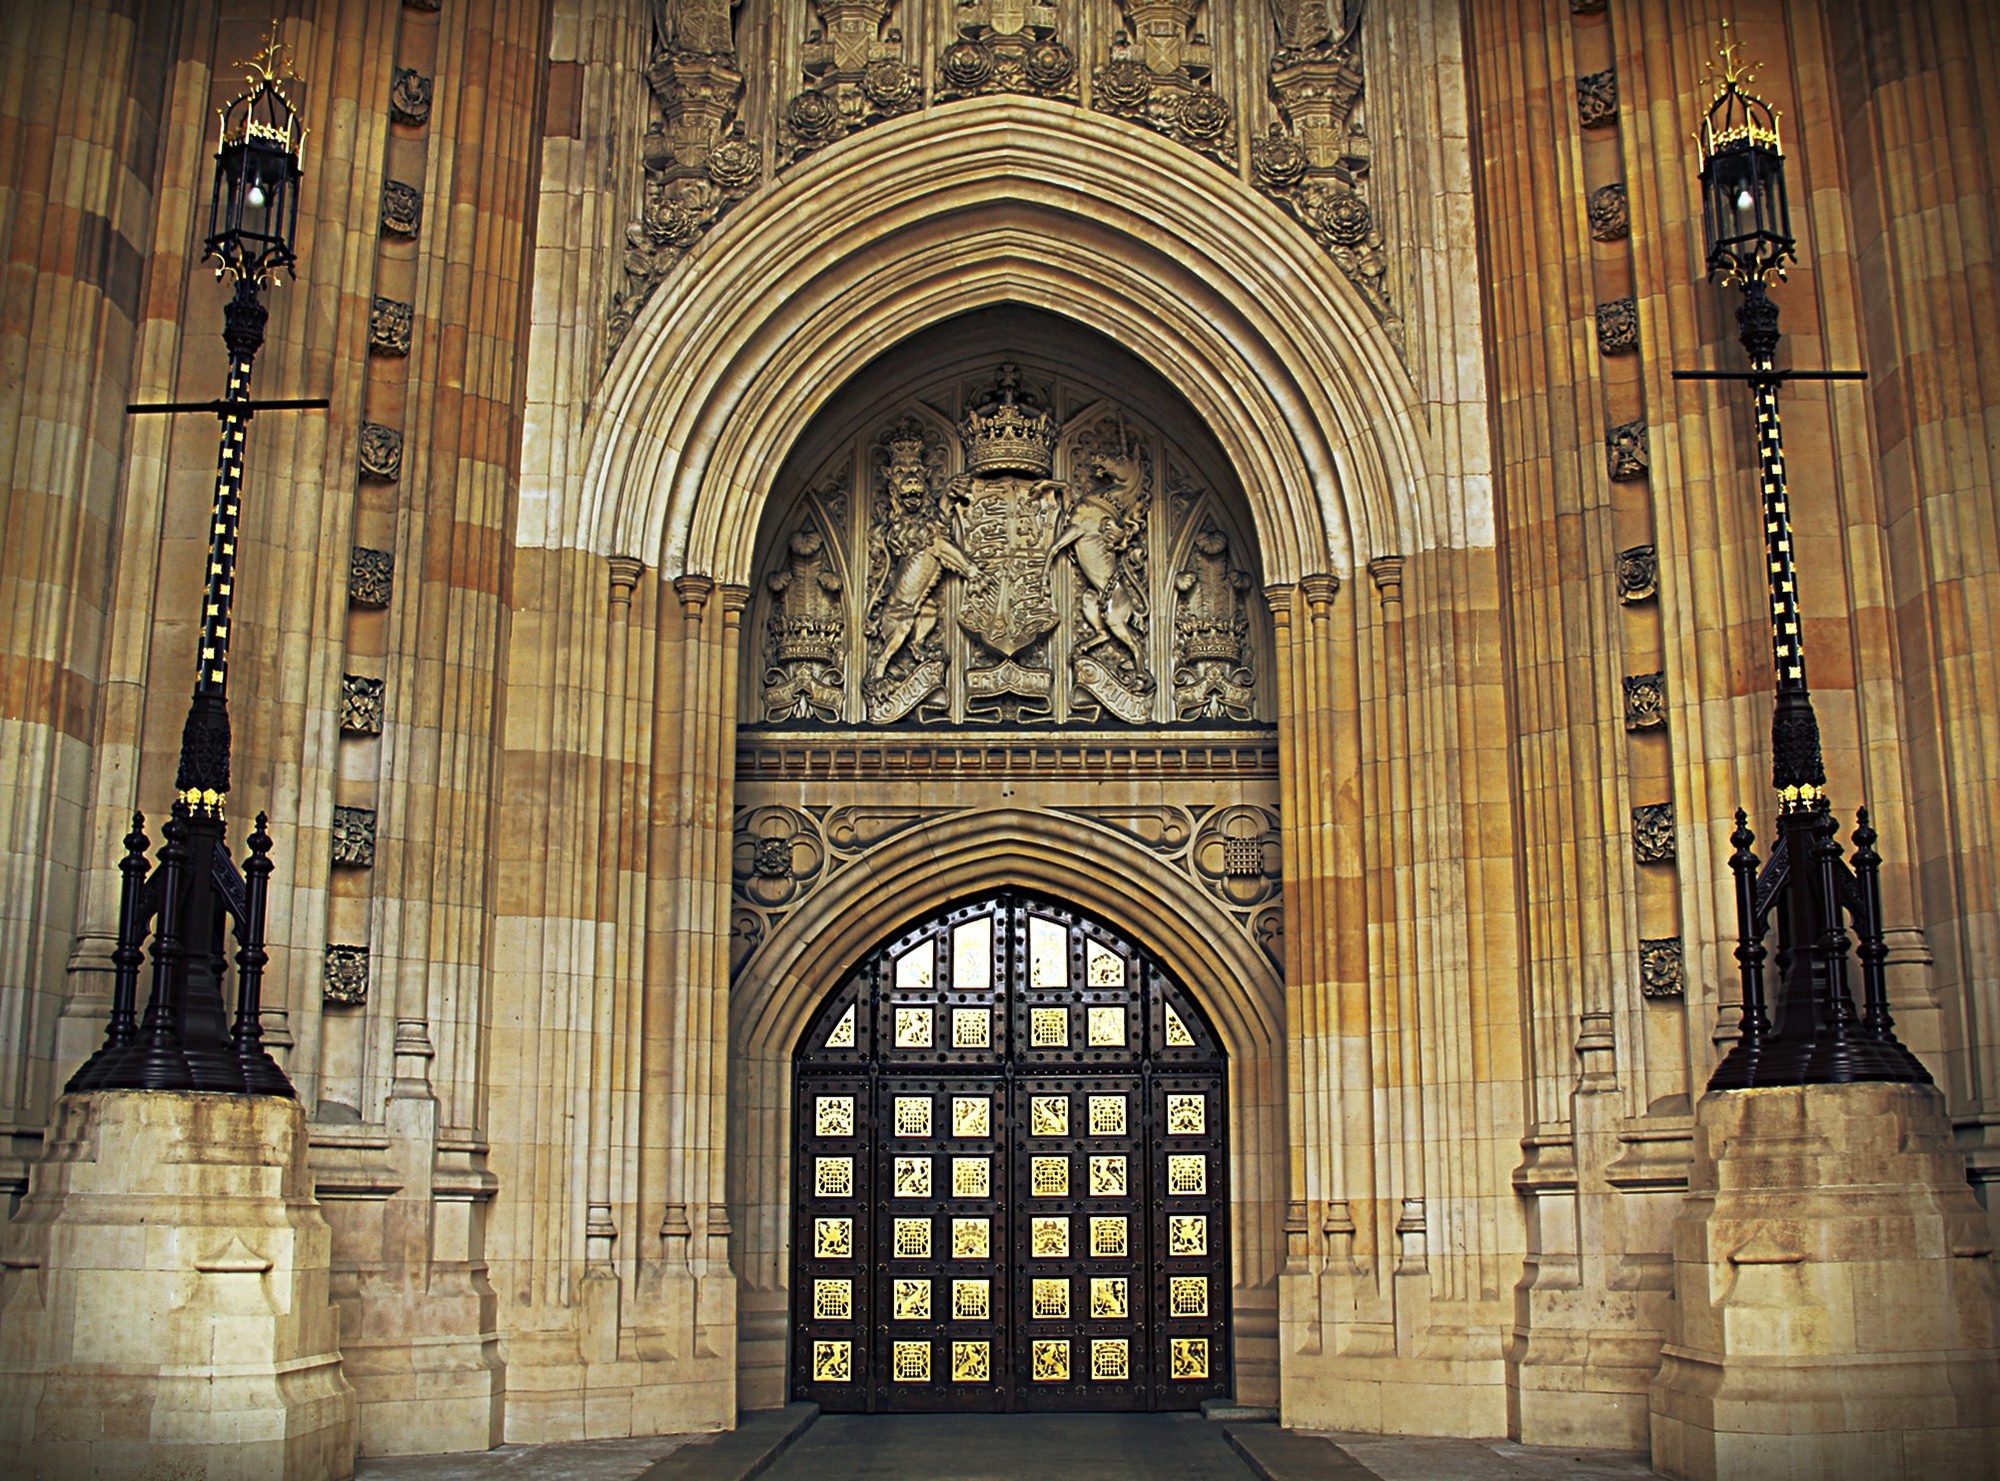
(1835, 1310)
(164, 1305)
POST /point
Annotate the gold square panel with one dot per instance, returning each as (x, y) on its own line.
(972, 1362)
(1048, 1028)
(971, 1300)
(913, 1028)
(1110, 1298)
(1107, 1027)
(913, 1177)
(1102, 967)
(971, 1239)
(1110, 1359)
(1107, 1177)
(1048, 1115)
(913, 1115)
(912, 1239)
(972, 954)
(910, 1362)
(971, 1115)
(1187, 1234)
(833, 1239)
(1049, 1300)
(917, 967)
(910, 1301)
(1189, 1358)
(833, 1362)
(833, 1115)
(1187, 1175)
(971, 1028)
(1187, 1115)
(1048, 1177)
(1048, 1238)
(842, 1036)
(1107, 1237)
(833, 1300)
(1049, 1360)
(833, 1177)
(1178, 1036)
(1107, 1115)
(1187, 1295)
(971, 1177)
(1048, 953)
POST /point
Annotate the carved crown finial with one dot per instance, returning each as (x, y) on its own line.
(1006, 433)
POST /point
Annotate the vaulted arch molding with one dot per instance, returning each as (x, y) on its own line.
(994, 201)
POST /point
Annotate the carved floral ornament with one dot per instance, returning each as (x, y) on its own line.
(1007, 565)
(782, 854)
(857, 64)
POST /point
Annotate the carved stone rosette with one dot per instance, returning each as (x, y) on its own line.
(1007, 46)
(1316, 162)
(1638, 573)
(1162, 76)
(1645, 701)
(854, 73)
(696, 161)
(1653, 833)
(1662, 968)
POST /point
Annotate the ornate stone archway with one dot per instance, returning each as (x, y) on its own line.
(917, 872)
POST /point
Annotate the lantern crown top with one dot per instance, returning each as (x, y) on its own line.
(259, 154)
(1737, 117)
(263, 111)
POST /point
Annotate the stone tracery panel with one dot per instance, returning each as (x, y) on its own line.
(1009, 548)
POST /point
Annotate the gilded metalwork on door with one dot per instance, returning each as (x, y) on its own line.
(1009, 1180)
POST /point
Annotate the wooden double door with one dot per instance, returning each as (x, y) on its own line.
(1010, 1182)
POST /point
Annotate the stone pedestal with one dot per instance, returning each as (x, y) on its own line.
(163, 1298)
(1835, 1310)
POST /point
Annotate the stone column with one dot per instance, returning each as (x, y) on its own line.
(164, 1304)
(1835, 1311)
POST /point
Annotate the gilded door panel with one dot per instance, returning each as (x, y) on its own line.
(1009, 1176)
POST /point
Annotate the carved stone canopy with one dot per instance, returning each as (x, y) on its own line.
(1009, 545)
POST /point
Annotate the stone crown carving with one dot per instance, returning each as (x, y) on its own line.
(1007, 435)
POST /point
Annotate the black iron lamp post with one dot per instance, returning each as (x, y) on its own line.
(1811, 1034)
(193, 900)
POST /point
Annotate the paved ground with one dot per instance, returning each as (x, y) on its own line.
(1086, 1447)
(1011, 1447)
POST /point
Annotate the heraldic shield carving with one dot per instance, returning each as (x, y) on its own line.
(1004, 550)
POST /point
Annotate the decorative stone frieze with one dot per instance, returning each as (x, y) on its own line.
(1653, 833)
(1597, 98)
(1645, 701)
(1610, 213)
(1002, 592)
(1007, 47)
(854, 74)
(1625, 451)
(1638, 573)
(1161, 74)
(410, 97)
(354, 836)
(389, 324)
(1662, 971)
(697, 163)
(371, 576)
(360, 704)
(807, 633)
(1617, 326)
(1316, 162)
(346, 975)
(1213, 676)
(381, 456)
(402, 208)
